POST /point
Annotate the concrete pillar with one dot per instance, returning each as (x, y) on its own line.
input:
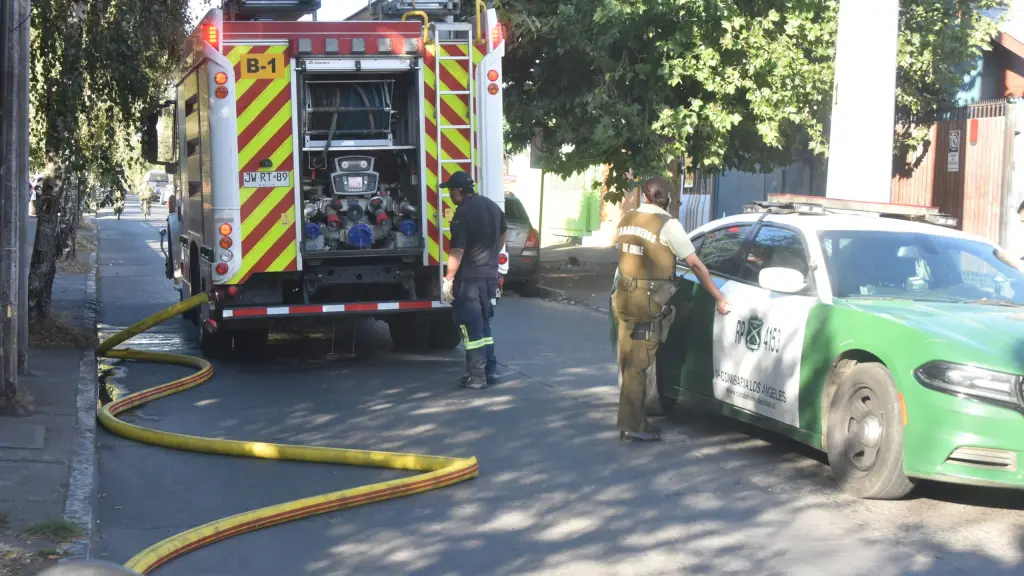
(864, 101)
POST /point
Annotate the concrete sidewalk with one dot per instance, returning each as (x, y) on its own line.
(47, 449)
(579, 275)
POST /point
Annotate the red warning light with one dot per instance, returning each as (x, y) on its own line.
(212, 35)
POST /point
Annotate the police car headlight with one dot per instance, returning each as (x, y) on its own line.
(981, 384)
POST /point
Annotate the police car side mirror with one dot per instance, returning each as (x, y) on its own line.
(784, 280)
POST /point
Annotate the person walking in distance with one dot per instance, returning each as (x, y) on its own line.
(478, 233)
(650, 241)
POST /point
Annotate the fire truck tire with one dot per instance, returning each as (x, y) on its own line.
(433, 471)
(191, 314)
(251, 343)
(444, 333)
(410, 332)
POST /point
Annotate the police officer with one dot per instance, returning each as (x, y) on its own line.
(478, 233)
(650, 240)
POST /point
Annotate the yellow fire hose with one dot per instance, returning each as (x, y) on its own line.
(436, 471)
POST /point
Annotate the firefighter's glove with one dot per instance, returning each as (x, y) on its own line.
(448, 290)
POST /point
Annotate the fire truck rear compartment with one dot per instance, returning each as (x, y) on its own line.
(361, 192)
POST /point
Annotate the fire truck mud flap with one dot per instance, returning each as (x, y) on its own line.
(434, 471)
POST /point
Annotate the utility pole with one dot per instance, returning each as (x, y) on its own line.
(24, 12)
(10, 194)
(864, 101)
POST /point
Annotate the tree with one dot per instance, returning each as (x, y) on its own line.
(738, 84)
(97, 67)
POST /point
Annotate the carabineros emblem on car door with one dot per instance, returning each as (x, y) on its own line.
(753, 336)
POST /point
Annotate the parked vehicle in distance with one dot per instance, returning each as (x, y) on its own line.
(895, 346)
(523, 245)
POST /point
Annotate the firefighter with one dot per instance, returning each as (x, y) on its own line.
(650, 241)
(478, 233)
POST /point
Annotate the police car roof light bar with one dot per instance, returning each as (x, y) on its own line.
(798, 204)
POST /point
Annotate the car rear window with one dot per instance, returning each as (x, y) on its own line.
(514, 210)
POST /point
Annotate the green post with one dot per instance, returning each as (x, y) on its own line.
(540, 217)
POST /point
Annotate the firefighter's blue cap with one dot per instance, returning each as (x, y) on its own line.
(459, 180)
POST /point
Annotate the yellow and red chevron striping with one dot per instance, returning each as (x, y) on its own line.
(445, 122)
(264, 110)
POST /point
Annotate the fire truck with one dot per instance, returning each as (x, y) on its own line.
(308, 156)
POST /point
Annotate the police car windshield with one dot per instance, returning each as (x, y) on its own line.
(915, 266)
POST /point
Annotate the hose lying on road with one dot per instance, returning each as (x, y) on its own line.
(437, 471)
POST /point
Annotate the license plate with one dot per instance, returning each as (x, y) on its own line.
(266, 179)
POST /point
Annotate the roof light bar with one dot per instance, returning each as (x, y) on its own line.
(793, 203)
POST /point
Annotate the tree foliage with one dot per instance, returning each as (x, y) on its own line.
(97, 66)
(740, 84)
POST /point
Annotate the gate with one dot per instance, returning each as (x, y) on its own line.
(966, 170)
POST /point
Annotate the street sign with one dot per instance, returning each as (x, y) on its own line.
(953, 155)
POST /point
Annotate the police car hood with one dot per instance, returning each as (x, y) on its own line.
(996, 330)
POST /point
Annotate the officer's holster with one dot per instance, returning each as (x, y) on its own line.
(659, 292)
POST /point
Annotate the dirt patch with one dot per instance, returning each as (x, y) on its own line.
(17, 561)
(59, 331)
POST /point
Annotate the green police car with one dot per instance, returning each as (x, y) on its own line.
(876, 333)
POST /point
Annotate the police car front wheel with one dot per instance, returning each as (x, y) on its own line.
(865, 435)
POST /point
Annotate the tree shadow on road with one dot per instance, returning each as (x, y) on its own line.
(557, 493)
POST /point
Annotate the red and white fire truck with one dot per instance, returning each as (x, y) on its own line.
(307, 162)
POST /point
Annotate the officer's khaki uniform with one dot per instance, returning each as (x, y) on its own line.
(650, 240)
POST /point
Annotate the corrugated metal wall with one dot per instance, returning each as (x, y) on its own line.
(962, 173)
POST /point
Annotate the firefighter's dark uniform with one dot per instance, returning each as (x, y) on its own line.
(476, 228)
(649, 241)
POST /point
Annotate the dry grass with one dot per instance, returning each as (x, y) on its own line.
(73, 266)
(85, 244)
(59, 331)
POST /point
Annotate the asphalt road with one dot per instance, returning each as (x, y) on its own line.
(557, 492)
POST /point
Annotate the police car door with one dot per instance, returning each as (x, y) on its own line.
(685, 359)
(758, 346)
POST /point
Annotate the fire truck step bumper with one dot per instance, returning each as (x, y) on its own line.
(332, 309)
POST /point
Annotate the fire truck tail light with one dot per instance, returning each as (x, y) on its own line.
(226, 256)
(225, 242)
(225, 229)
(221, 92)
(492, 75)
(222, 268)
(212, 35)
(497, 35)
(220, 78)
(502, 259)
(493, 89)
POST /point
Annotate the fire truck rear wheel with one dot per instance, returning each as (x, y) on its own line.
(410, 332)
(444, 333)
(251, 343)
(192, 314)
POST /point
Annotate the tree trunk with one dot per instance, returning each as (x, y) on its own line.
(678, 170)
(44, 254)
(68, 217)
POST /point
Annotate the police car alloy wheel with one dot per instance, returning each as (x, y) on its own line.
(865, 435)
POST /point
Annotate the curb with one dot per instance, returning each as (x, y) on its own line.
(561, 297)
(551, 293)
(81, 498)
